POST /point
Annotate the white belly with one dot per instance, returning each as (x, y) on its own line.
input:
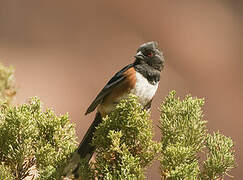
(143, 89)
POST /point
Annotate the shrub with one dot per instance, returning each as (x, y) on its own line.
(184, 136)
(33, 141)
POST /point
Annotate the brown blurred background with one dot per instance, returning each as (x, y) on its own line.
(55, 45)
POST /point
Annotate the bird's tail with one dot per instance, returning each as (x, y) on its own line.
(85, 149)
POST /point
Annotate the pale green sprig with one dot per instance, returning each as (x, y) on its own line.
(7, 84)
(220, 156)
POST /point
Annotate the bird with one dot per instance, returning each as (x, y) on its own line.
(140, 78)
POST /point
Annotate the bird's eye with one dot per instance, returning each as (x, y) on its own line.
(148, 53)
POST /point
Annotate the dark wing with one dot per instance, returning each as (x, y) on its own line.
(117, 78)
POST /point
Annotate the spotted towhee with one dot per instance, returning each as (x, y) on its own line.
(140, 78)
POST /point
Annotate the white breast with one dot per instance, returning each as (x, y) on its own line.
(143, 89)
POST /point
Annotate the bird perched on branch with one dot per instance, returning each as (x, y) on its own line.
(140, 78)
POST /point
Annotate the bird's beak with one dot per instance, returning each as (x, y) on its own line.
(139, 55)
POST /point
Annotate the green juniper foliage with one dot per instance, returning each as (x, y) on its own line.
(220, 156)
(30, 137)
(184, 135)
(32, 140)
(5, 172)
(124, 145)
(7, 87)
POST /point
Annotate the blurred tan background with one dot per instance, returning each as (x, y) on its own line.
(65, 51)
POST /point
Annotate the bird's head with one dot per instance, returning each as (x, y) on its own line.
(150, 54)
